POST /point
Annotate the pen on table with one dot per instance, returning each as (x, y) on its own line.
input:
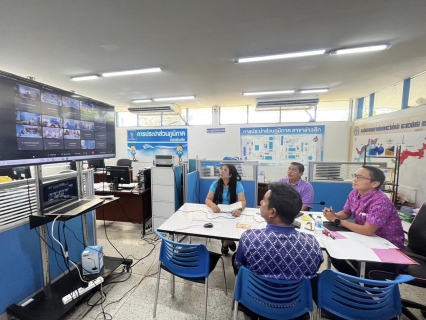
(328, 234)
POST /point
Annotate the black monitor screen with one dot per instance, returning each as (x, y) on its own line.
(96, 163)
(58, 193)
(118, 174)
(21, 173)
(41, 124)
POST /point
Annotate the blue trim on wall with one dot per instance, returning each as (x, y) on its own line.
(405, 93)
(333, 194)
(193, 192)
(371, 106)
(359, 108)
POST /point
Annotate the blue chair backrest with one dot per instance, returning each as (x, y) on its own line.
(352, 297)
(272, 298)
(184, 259)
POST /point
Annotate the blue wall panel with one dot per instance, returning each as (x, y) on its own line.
(249, 191)
(333, 194)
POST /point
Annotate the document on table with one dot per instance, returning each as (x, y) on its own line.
(101, 185)
(213, 215)
(349, 249)
(373, 242)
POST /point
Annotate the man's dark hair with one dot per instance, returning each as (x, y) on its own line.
(301, 166)
(286, 200)
(232, 186)
(376, 175)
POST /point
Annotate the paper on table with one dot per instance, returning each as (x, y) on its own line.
(393, 256)
(349, 250)
(373, 241)
(213, 215)
(230, 207)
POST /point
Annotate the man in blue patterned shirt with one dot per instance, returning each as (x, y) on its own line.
(279, 251)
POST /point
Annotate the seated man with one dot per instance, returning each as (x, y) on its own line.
(279, 207)
(305, 189)
(373, 212)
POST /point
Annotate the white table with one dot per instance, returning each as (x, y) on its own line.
(191, 217)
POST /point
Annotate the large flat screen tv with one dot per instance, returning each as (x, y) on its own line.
(41, 124)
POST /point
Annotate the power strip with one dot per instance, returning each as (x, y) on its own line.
(80, 291)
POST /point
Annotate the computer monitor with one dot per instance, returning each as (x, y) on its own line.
(117, 175)
(96, 164)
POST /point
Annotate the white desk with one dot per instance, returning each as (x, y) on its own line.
(191, 217)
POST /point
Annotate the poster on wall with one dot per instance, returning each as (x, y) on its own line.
(380, 139)
(144, 145)
(282, 145)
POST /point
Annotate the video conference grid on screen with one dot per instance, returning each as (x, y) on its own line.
(42, 124)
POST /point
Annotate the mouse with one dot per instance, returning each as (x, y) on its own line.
(208, 225)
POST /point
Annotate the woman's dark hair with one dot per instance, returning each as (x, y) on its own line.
(232, 186)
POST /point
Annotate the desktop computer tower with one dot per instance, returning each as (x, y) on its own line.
(144, 179)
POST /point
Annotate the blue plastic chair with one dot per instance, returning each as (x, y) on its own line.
(271, 298)
(191, 262)
(352, 297)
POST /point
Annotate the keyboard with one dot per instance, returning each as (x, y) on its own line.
(76, 208)
(297, 224)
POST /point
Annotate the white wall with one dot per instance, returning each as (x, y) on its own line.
(216, 146)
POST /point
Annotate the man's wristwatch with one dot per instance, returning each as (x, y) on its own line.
(337, 222)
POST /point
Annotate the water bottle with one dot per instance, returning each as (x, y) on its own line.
(318, 226)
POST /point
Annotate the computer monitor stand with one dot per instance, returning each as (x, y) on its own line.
(114, 184)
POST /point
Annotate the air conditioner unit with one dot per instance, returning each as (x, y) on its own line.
(291, 102)
(172, 108)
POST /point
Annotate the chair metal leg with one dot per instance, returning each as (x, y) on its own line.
(224, 276)
(235, 307)
(156, 290)
(172, 284)
(206, 285)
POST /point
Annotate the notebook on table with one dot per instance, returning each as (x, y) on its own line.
(60, 197)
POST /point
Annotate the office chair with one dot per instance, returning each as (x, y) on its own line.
(352, 297)
(272, 298)
(124, 162)
(416, 250)
(191, 262)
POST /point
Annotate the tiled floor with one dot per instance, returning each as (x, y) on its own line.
(131, 296)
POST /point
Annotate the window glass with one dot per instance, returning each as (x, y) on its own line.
(200, 116)
(233, 115)
(388, 100)
(366, 107)
(263, 116)
(173, 120)
(149, 120)
(417, 91)
(126, 119)
(297, 115)
(333, 111)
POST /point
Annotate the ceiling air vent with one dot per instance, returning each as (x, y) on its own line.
(155, 109)
(287, 102)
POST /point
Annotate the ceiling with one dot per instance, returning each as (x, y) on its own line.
(197, 41)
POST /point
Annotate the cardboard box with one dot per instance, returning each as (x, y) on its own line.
(92, 260)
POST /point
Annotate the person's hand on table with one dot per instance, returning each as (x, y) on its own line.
(215, 208)
(329, 214)
(236, 213)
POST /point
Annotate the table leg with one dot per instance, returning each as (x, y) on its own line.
(362, 269)
(172, 280)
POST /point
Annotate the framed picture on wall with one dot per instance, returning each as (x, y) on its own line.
(388, 174)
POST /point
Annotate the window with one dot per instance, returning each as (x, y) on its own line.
(333, 111)
(297, 115)
(126, 119)
(417, 91)
(149, 120)
(388, 100)
(264, 116)
(200, 116)
(173, 120)
(233, 115)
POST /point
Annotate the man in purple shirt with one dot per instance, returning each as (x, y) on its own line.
(305, 189)
(371, 209)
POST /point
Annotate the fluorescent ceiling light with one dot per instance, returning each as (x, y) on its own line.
(129, 72)
(361, 49)
(141, 100)
(314, 91)
(175, 98)
(282, 56)
(91, 77)
(261, 93)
